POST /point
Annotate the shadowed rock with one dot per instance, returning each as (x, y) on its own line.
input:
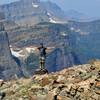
(8, 67)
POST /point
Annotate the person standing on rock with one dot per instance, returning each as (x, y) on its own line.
(42, 55)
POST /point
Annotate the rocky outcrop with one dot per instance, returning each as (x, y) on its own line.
(76, 83)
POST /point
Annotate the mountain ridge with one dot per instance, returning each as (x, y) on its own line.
(32, 12)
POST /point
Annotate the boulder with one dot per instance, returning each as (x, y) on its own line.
(41, 71)
(97, 92)
(1, 82)
(50, 96)
(44, 81)
(97, 85)
(61, 79)
(59, 97)
(2, 95)
(77, 80)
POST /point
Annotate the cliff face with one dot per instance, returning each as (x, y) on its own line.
(52, 35)
(59, 59)
(84, 39)
(8, 67)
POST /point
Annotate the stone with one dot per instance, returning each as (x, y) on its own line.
(94, 97)
(97, 85)
(50, 96)
(80, 89)
(31, 97)
(77, 80)
(92, 67)
(77, 96)
(11, 92)
(63, 93)
(99, 72)
(97, 92)
(73, 92)
(1, 82)
(2, 95)
(91, 85)
(75, 87)
(63, 72)
(44, 81)
(61, 79)
(35, 88)
(97, 79)
(87, 76)
(20, 98)
(59, 97)
(41, 72)
(55, 97)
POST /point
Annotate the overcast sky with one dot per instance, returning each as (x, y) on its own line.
(88, 7)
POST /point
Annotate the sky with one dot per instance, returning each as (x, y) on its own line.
(90, 8)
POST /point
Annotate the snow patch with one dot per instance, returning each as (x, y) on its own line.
(16, 54)
(81, 32)
(30, 49)
(72, 29)
(64, 34)
(78, 30)
(35, 5)
(56, 21)
(52, 20)
(48, 14)
(10, 46)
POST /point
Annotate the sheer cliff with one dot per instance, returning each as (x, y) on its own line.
(8, 67)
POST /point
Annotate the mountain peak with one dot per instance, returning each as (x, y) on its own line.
(32, 12)
(30, 0)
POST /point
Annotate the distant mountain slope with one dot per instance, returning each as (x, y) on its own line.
(30, 12)
(85, 39)
(75, 15)
(79, 40)
(52, 35)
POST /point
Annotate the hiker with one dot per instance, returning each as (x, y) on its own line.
(42, 57)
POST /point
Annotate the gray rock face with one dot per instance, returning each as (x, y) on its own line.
(8, 67)
(31, 12)
(85, 41)
(56, 36)
(2, 16)
(56, 60)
